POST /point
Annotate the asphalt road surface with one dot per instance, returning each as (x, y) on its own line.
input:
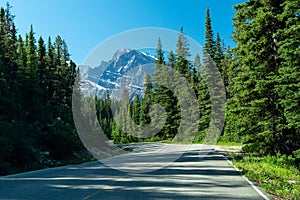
(198, 173)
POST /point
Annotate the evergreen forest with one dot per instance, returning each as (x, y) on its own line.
(261, 77)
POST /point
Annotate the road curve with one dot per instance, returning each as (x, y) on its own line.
(198, 173)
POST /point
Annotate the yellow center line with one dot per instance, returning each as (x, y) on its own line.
(111, 184)
(105, 187)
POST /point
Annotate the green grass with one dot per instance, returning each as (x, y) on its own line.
(222, 143)
(278, 175)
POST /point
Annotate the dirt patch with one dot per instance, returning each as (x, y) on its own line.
(228, 149)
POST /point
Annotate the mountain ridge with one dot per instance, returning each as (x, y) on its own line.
(127, 67)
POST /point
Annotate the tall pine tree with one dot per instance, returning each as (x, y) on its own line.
(261, 57)
(209, 44)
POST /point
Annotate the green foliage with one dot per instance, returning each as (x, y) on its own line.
(261, 76)
(204, 106)
(276, 174)
(209, 45)
(210, 92)
(265, 81)
(159, 53)
(164, 96)
(224, 142)
(288, 72)
(296, 155)
(195, 73)
(146, 101)
(35, 103)
(182, 64)
(104, 114)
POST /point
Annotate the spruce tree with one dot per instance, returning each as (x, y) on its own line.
(146, 101)
(29, 85)
(219, 55)
(164, 96)
(135, 112)
(256, 104)
(21, 60)
(183, 49)
(41, 51)
(159, 53)
(204, 101)
(171, 59)
(31, 61)
(194, 74)
(182, 64)
(35, 103)
(288, 85)
(209, 44)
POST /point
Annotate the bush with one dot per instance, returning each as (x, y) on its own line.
(296, 155)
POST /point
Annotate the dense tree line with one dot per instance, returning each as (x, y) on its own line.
(264, 108)
(194, 71)
(261, 78)
(36, 80)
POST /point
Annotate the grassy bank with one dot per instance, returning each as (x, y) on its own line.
(278, 175)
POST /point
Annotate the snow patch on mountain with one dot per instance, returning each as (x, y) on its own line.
(126, 68)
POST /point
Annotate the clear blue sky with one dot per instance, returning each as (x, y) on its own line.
(85, 24)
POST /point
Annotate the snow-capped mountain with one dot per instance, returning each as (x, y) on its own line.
(127, 67)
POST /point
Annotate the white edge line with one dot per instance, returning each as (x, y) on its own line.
(19, 175)
(250, 183)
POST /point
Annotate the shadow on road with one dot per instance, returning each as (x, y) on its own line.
(203, 174)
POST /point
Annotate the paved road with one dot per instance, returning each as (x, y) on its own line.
(199, 173)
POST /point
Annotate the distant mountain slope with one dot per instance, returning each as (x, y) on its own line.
(127, 67)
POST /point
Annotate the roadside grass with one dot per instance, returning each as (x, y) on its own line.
(278, 175)
(222, 143)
